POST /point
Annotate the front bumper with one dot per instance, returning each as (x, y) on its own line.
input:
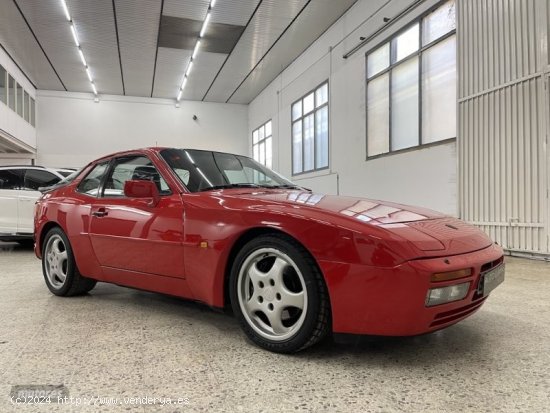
(391, 301)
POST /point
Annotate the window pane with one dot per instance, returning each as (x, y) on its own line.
(19, 100)
(255, 136)
(406, 43)
(11, 178)
(378, 60)
(268, 153)
(26, 105)
(297, 110)
(3, 88)
(404, 101)
(11, 92)
(438, 23)
(268, 131)
(321, 138)
(262, 153)
(261, 132)
(378, 115)
(309, 134)
(439, 91)
(33, 112)
(321, 95)
(255, 152)
(35, 179)
(297, 147)
(90, 184)
(308, 103)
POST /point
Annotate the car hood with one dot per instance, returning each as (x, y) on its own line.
(429, 231)
(365, 210)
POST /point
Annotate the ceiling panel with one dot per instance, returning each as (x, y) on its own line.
(236, 12)
(270, 20)
(311, 24)
(47, 20)
(19, 42)
(187, 9)
(205, 67)
(138, 24)
(171, 64)
(96, 29)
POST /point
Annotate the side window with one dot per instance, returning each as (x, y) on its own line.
(90, 184)
(35, 179)
(133, 168)
(11, 179)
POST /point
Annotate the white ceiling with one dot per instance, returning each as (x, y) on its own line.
(138, 48)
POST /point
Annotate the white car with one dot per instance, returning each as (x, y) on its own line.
(18, 193)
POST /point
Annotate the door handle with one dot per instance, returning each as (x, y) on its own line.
(100, 213)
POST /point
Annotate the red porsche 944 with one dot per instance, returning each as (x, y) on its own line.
(294, 265)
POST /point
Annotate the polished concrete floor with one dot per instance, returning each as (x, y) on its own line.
(117, 343)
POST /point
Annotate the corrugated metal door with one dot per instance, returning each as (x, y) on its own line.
(503, 121)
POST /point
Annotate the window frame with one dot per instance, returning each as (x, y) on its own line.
(417, 54)
(263, 140)
(301, 119)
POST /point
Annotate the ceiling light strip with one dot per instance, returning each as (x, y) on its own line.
(195, 49)
(77, 43)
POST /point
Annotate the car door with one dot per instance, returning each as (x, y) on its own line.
(32, 180)
(132, 234)
(10, 186)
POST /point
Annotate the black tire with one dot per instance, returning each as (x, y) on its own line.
(54, 268)
(299, 328)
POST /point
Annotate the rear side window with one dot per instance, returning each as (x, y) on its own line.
(133, 168)
(35, 178)
(11, 178)
(90, 184)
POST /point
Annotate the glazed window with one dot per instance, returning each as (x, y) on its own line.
(11, 178)
(133, 168)
(262, 147)
(411, 85)
(35, 178)
(91, 183)
(3, 85)
(310, 145)
(11, 92)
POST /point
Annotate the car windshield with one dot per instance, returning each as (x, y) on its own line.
(206, 170)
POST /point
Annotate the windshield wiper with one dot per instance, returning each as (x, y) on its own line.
(226, 186)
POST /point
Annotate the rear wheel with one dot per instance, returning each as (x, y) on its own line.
(59, 267)
(279, 295)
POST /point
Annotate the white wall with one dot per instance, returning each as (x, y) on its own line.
(426, 177)
(74, 130)
(13, 126)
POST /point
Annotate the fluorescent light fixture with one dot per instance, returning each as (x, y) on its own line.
(66, 10)
(75, 37)
(94, 89)
(196, 49)
(205, 24)
(89, 75)
(189, 67)
(212, 4)
(82, 57)
(179, 95)
(183, 83)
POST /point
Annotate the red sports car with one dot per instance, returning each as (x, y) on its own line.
(294, 265)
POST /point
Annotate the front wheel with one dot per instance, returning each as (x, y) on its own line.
(279, 295)
(59, 266)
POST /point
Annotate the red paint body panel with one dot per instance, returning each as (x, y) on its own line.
(376, 257)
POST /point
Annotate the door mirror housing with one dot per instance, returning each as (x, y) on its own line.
(142, 189)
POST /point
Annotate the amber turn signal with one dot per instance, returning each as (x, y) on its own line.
(451, 275)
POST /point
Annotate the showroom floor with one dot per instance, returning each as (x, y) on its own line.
(118, 343)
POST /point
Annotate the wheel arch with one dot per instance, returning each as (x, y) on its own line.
(44, 230)
(244, 238)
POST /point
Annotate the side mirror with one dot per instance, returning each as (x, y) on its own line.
(142, 189)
